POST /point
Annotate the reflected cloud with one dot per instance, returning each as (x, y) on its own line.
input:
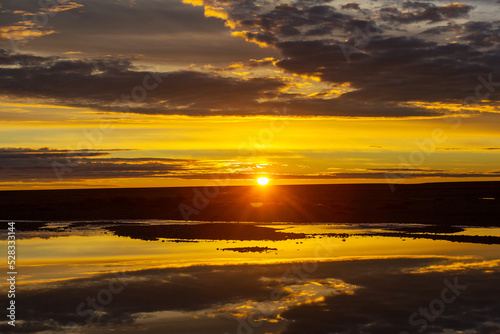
(365, 295)
(459, 266)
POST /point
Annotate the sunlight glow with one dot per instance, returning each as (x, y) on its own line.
(262, 181)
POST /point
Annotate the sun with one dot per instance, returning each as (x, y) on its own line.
(263, 181)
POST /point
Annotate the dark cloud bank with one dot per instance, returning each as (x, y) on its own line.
(390, 64)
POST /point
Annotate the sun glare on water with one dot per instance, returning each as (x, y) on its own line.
(263, 181)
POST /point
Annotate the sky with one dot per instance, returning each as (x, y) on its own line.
(124, 93)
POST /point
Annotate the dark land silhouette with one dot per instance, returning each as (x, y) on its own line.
(464, 203)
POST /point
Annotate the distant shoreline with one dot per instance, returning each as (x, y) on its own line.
(386, 184)
(446, 203)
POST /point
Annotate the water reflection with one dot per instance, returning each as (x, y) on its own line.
(370, 295)
(95, 282)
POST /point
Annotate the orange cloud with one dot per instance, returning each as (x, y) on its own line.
(22, 30)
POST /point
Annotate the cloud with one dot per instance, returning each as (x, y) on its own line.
(382, 63)
(161, 32)
(351, 5)
(22, 31)
(390, 71)
(470, 149)
(45, 164)
(31, 21)
(110, 84)
(424, 11)
(400, 69)
(26, 165)
(479, 34)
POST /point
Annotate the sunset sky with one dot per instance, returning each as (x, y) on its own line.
(141, 93)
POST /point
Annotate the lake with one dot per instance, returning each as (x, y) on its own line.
(160, 276)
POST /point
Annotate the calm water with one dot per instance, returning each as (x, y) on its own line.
(336, 279)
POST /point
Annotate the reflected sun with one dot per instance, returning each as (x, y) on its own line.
(262, 181)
